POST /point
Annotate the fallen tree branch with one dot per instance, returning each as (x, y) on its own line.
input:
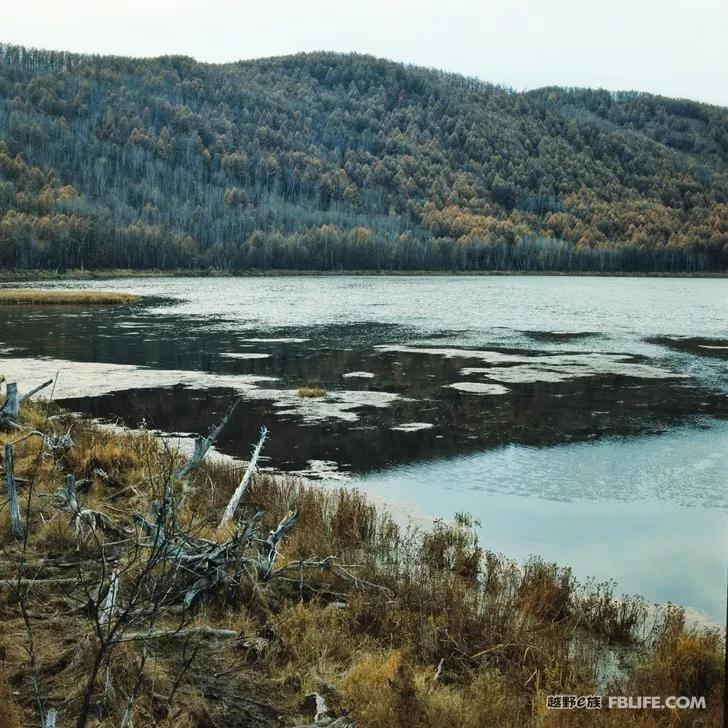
(240, 490)
(14, 584)
(203, 631)
(329, 564)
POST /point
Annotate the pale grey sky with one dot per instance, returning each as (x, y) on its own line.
(672, 47)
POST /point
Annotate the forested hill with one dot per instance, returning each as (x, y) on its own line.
(327, 161)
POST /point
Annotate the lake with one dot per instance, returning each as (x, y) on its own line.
(582, 419)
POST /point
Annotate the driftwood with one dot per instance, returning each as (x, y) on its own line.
(37, 389)
(16, 527)
(317, 703)
(200, 565)
(67, 496)
(203, 444)
(232, 505)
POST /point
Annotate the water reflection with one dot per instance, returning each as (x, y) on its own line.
(557, 386)
(638, 510)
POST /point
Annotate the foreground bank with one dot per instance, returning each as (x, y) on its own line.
(135, 587)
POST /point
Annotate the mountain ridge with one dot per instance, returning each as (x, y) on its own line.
(345, 161)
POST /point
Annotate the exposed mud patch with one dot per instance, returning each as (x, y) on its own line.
(717, 348)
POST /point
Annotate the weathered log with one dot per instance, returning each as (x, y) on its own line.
(16, 527)
(66, 498)
(438, 671)
(203, 444)
(11, 409)
(95, 519)
(240, 490)
(204, 583)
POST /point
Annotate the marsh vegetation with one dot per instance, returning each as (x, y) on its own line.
(60, 297)
(380, 624)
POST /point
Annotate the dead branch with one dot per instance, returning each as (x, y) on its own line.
(342, 571)
(203, 444)
(58, 444)
(240, 490)
(35, 391)
(203, 631)
(11, 408)
(21, 583)
(109, 605)
(270, 546)
(16, 527)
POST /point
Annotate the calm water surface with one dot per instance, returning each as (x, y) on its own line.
(581, 419)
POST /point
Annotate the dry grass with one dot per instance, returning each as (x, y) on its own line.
(505, 635)
(28, 296)
(9, 712)
(308, 391)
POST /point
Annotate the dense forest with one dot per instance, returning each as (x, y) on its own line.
(327, 161)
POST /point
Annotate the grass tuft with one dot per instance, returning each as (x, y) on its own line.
(307, 391)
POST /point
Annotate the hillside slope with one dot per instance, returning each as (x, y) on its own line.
(326, 161)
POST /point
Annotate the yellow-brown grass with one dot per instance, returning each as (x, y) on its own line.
(505, 635)
(9, 712)
(308, 391)
(57, 297)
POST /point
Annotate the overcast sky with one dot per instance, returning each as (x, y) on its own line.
(672, 47)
